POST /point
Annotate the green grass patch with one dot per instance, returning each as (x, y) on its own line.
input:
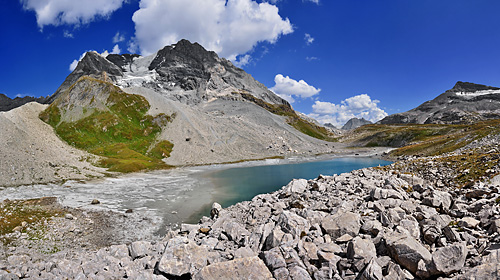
(293, 119)
(14, 213)
(123, 134)
(422, 139)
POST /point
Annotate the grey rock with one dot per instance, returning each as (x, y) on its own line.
(438, 199)
(139, 249)
(360, 248)
(371, 271)
(298, 273)
(273, 259)
(407, 251)
(431, 233)
(293, 224)
(372, 227)
(468, 222)
(296, 186)
(119, 251)
(281, 274)
(235, 231)
(182, 256)
(274, 238)
(483, 271)
(450, 259)
(412, 227)
(451, 234)
(244, 252)
(243, 268)
(340, 224)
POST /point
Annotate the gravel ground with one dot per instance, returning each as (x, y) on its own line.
(32, 153)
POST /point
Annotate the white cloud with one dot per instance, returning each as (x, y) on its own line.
(67, 34)
(118, 38)
(311, 58)
(288, 88)
(116, 49)
(359, 106)
(314, 1)
(57, 12)
(230, 28)
(309, 39)
(73, 64)
(243, 60)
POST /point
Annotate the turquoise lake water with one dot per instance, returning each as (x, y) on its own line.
(238, 184)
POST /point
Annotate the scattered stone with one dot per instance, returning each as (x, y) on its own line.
(95, 201)
(243, 268)
(450, 259)
(340, 224)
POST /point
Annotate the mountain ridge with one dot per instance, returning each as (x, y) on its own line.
(464, 103)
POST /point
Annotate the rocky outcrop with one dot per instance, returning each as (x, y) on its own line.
(366, 224)
(355, 123)
(464, 103)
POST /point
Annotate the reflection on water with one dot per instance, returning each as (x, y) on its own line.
(185, 194)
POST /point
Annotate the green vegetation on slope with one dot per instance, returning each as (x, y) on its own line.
(123, 134)
(32, 211)
(293, 119)
(422, 139)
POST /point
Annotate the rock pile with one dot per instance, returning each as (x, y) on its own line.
(367, 224)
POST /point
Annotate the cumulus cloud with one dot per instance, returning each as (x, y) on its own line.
(230, 28)
(309, 39)
(288, 88)
(359, 106)
(118, 38)
(57, 12)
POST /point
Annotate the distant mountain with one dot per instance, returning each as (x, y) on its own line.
(7, 103)
(182, 105)
(464, 103)
(355, 123)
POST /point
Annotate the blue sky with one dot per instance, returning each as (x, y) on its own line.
(332, 59)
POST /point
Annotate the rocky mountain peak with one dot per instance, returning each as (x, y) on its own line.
(355, 123)
(471, 87)
(184, 53)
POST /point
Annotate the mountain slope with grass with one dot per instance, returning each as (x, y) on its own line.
(222, 113)
(98, 117)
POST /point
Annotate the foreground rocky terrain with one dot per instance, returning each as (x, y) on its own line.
(366, 224)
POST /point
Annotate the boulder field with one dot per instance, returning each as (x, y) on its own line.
(366, 224)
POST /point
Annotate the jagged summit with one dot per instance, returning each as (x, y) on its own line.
(471, 87)
(464, 103)
(185, 72)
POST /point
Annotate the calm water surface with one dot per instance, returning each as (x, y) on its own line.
(186, 194)
(238, 184)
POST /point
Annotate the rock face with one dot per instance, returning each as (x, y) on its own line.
(355, 123)
(222, 114)
(464, 103)
(7, 104)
